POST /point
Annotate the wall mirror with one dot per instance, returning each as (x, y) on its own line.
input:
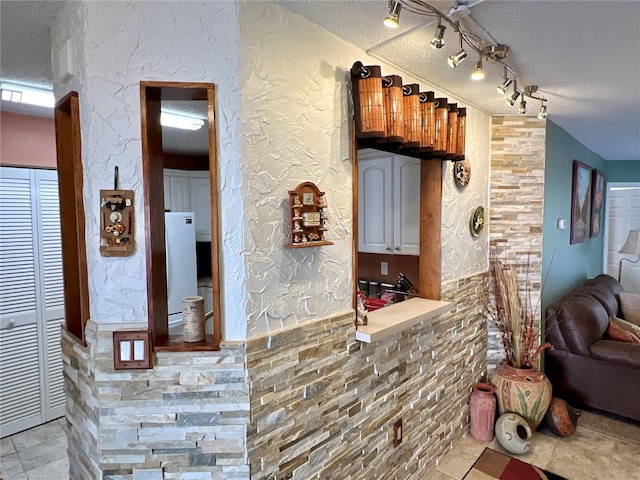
(181, 208)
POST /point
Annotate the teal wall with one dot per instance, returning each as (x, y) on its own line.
(622, 171)
(571, 264)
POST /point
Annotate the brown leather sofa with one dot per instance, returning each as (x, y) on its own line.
(586, 368)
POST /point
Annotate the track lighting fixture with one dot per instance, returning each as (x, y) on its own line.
(478, 72)
(542, 114)
(454, 60)
(393, 19)
(523, 106)
(472, 37)
(437, 42)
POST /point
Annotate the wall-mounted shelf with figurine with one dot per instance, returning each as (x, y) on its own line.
(309, 217)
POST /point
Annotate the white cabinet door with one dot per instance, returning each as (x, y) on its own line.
(201, 205)
(388, 203)
(406, 205)
(180, 194)
(375, 207)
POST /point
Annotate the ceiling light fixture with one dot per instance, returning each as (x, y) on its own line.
(13, 92)
(478, 72)
(183, 122)
(437, 42)
(523, 106)
(454, 60)
(478, 40)
(392, 20)
(506, 83)
(542, 114)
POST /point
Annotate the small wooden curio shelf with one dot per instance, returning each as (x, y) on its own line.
(309, 217)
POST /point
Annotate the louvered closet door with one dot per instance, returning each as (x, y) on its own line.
(30, 300)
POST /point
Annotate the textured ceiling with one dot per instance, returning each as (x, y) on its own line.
(584, 56)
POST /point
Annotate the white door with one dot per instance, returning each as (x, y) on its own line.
(623, 214)
(178, 185)
(375, 204)
(406, 205)
(31, 296)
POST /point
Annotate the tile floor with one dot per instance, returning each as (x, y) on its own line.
(585, 455)
(36, 454)
(41, 454)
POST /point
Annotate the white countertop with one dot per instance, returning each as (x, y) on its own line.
(398, 317)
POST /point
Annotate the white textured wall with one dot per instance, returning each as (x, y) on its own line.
(283, 114)
(117, 45)
(295, 118)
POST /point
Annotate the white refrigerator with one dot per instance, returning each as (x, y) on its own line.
(182, 277)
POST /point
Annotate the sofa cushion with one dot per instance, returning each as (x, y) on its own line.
(617, 331)
(603, 294)
(582, 320)
(630, 305)
(628, 326)
(619, 353)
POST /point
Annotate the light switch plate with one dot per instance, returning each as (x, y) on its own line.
(384, 268)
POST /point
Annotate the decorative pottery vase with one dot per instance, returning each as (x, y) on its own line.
(513, 433)
(525, 391)
(482, 410)
(561, 419)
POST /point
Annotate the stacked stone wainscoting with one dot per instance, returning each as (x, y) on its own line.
(516, 213)
(323, 405)
(184, 419)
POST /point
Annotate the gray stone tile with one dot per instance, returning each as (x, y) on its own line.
(36, 435)
(58, 470)
(43, 453)
(10, 466)
(6, 446)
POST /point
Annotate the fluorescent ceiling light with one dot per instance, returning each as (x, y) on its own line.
(184, 122)
(40, 97)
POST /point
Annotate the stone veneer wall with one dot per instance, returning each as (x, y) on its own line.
(184, 419)
(516, 208)
(323, 405)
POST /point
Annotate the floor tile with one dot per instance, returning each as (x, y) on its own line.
(577, 463)
(6, 446)
(43, 453)
(542, 445)
(434, 474)
(39, 434)
(625, 463)
(10, 466)
(58, 470)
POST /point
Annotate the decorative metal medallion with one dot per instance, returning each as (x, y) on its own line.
(477, 221)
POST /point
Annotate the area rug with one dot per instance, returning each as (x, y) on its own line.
(492, 465)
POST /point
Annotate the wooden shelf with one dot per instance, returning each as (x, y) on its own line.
(308, 244)
(398, 317)
(175, 343)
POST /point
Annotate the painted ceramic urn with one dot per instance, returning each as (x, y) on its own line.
(482, 411)
(525, 391)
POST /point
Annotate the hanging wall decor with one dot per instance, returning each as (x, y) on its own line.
(116, 221)
(462, 173)
(477, 221)
(580, 196)
(399, 118)
(309, 217)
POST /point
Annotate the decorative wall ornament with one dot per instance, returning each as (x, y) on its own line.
(462, 172)
(477, 221)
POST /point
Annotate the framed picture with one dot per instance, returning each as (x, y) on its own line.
(597, 196)
(307, 198)
(580, 197)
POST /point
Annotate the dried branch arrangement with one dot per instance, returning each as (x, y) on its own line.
(512, 315)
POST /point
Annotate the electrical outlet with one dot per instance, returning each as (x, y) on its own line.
(397, 433)
(384, 268)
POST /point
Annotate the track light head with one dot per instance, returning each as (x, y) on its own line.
(437, 42)
(523, 106)
(512, 99)
(392, 20)
(454, 60)
(504, 86)
(542, 114)
(478, 72)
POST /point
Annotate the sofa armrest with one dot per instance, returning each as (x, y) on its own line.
(613, 351)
